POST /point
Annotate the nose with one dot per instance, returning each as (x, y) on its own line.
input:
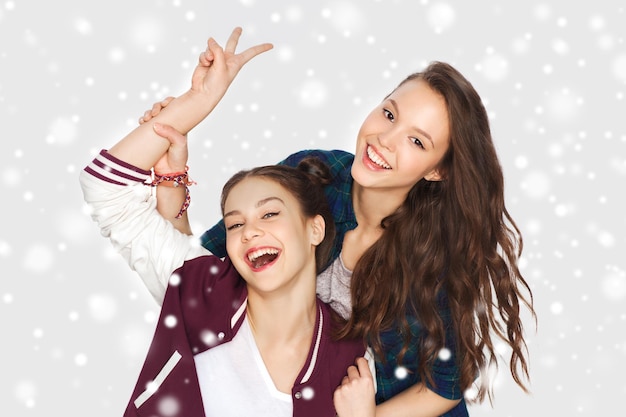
(250, 231)
(387, 139)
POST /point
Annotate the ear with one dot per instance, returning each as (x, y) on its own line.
(318, 229)
(434, 175)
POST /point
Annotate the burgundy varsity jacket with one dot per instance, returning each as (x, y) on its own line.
(204, 306)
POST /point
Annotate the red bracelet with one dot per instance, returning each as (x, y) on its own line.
(176, 179)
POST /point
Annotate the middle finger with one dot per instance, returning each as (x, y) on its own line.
(233, 39)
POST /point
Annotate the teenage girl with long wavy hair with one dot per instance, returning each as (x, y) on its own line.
(452, 238)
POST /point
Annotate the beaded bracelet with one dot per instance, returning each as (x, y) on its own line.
(176, 179)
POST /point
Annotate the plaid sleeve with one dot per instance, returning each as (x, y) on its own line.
(336, 160)
(214, 239)
(393, 377)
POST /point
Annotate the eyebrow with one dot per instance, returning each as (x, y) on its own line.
(423, 132)
(257, 205)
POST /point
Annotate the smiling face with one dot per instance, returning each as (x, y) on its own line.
(268, 239)
(403, 139)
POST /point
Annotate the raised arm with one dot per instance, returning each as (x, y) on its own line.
(160, 139)
(114, 183)
(215, 71)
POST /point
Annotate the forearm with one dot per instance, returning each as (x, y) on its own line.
(416, 401)
(142, 147)
(169, 202)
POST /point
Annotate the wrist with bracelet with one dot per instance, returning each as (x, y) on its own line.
(175, 180)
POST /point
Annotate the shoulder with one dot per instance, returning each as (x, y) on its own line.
(205, 293)
(206, 284)
(336, 159)
(334, 356)
(339, 162)
(347, 349)
(205, 273)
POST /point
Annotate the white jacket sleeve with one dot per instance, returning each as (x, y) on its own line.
(125, 210)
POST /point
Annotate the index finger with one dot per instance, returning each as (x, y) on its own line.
(253, 51)
(353, 373)
(363, 367)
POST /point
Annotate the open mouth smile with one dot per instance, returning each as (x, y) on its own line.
(261, 258)
(376, 159)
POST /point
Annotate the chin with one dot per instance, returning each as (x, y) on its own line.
(361, 175)
(356, 175)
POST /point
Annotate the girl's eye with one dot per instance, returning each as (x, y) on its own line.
(417, 142)
(234, 226)
(388, 115)
(270, 214)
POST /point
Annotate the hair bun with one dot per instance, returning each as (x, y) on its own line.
(317, 171)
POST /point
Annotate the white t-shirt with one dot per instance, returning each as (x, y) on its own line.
(234, 380)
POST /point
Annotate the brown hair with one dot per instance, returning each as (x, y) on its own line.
(455, 237)
(305, 183)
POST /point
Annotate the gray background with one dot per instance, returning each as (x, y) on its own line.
(75, 76)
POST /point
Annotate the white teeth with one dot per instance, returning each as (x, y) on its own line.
(377, 159)
(253, 256)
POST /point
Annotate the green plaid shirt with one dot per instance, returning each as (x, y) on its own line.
(393, 377)
(389, 378)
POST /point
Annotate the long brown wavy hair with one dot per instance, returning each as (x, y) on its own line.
(456, 237)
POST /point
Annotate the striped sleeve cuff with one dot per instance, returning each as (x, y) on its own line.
(108, 168)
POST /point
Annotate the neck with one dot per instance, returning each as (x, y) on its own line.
(371, 206)
(283, 328)
(282, 319)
